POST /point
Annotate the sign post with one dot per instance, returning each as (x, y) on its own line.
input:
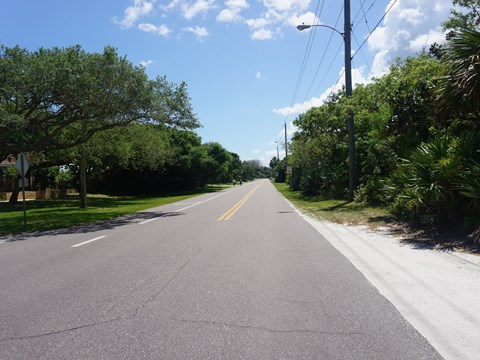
(22, 167)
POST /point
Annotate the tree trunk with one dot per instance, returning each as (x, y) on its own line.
(15, 191)
(83, 180)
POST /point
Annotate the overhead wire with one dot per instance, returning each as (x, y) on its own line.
(329, 68)
(379, 22)
(323, 57)
(364, 18)
(336, 83)
(307, 52)
(363, 55)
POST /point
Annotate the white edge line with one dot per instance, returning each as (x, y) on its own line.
(147, 221)
(89, 241)
(204, 201)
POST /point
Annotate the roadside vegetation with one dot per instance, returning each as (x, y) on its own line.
(96, 119)
(417, 137)
(337, 211)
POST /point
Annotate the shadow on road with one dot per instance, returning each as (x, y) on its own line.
(95, 226)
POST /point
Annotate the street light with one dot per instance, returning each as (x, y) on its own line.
(305, 27)
(352, 170)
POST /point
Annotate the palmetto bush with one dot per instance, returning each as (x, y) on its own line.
(438, 181)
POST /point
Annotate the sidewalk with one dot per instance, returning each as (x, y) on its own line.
(437, 292)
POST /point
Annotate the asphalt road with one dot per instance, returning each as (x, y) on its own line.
(230, 275)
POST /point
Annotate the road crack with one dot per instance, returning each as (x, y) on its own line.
(154, 296)
(57, 332)
(270, 330)
(92, 324)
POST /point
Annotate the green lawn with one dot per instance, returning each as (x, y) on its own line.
(55, 214)
(338, 211)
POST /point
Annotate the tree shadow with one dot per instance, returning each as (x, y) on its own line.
(94, 226)
(443, 240)
(431, 238)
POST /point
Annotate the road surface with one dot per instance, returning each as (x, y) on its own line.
(231, 275)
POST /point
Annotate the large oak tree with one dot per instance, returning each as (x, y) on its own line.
(58, 98)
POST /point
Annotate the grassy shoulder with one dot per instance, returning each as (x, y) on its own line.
(378, 218)
(52, 214)
(337, 211)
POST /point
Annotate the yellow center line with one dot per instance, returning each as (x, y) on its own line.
(228, 215)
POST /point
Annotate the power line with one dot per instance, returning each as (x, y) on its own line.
(328, 70)
(363, 55)
(364, 12)
(336, 83)
(307, 53)
(323, 56)
(371, 32)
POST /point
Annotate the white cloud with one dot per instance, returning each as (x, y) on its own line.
(232, 12)
(260, 76)
(306, 18)
(228, 15)
(162, 30)
(283, 5)
(262, 34)
(409, 27)
(190, 11)
(279, 13)
(358, 77)
(275, 15)
(171, 5)
(423, 41)
(267, 156)
(241, 4)
(199, 31)
(189, 8)
(146, 63)
(413, 16)
(133, 13)
(257, 23)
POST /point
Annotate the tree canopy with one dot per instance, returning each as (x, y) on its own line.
(58, 98)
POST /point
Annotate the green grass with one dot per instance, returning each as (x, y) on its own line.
(337, 211)
(55, 214)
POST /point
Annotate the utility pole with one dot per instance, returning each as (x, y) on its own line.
(286, 144)
(352, 168)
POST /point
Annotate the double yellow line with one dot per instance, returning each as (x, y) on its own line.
(228, 215)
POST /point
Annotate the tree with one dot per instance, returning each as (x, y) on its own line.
(123, 160)
(320, 150)
(59, 98)
(253, 169)
(460, 87)
(464, 15)
(235, 166)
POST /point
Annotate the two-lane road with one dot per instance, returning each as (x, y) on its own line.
(231, 275)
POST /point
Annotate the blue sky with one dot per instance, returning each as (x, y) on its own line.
(248, 69)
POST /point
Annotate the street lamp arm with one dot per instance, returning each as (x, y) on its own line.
(304, 27)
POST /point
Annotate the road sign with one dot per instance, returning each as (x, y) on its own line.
(22, 167)
(22, 161)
